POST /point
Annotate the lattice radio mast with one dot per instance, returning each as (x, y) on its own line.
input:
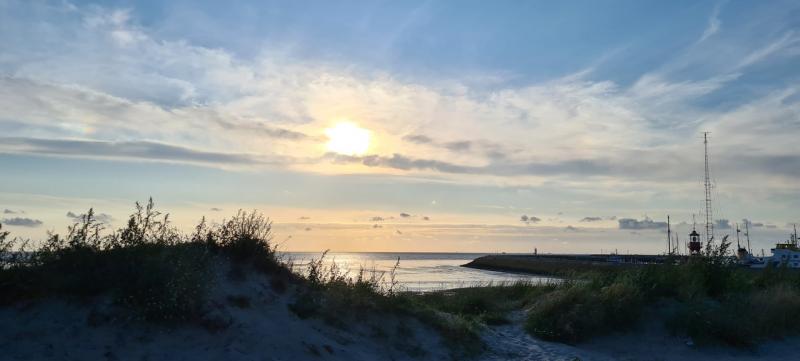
(709, 217)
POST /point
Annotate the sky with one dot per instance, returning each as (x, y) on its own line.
(458, 126)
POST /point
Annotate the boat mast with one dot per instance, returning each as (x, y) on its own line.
(747, 234)
(709, 217)
(738, 247)
(669, 237)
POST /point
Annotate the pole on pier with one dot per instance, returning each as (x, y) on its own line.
(669, 238)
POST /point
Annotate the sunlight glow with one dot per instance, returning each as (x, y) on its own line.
(348, 139)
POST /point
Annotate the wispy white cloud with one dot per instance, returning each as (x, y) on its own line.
(788, 39)
(714, 24)
(106, 86)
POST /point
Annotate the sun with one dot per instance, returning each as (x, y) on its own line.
(348, 139)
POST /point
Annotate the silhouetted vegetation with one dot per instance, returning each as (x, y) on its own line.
(341, 298)
(148, 266)
(709, 299)
(159, 274)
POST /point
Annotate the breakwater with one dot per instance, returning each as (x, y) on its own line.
(553, 264)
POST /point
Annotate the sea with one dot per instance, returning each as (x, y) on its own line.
(416, 272)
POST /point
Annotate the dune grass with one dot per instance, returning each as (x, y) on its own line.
(158, 274)
(161, 275)
(708, 299)
(341, 298)
(148, 266)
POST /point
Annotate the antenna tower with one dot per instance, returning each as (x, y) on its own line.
(709, 217)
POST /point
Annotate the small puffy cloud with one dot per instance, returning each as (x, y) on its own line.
(22, 222)
(646, 223)
(722, 224)
(426, 218)
(529, 219)
(308, 229)
(376, 219)
(571, 229)
(405, 215)
(215, 209)
(100, 217)
(591, 219)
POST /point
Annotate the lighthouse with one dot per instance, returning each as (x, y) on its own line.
(694, 243)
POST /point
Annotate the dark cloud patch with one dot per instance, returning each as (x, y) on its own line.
(646, 223)
(612, 218)
(397, 161)
(304, 218)
(8, 211)
(264, 129)
(215, 209)
(571, 229)
(496, 155)
(398, 231)
(418, 139)
(100, 217)
(771, 226)
(529, 219)
(308, 229)
(459, 146)
(376, 219)
(722, 224)
(405, 215)
(582, 167)
(787, 164)
(489, 149)
(426, 218)
(377, 226)
(22, 222)
(591, 219)
(131, 149)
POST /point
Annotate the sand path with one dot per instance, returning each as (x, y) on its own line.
(511, 342)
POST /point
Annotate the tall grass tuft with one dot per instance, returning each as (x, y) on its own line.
(147, 266)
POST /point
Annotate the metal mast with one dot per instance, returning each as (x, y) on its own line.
(709, 217)
(669, 238)
(747, 233)
(738, 246)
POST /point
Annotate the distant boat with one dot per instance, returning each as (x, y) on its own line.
(786, 254)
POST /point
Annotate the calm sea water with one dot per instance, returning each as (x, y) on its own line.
(418, 271)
